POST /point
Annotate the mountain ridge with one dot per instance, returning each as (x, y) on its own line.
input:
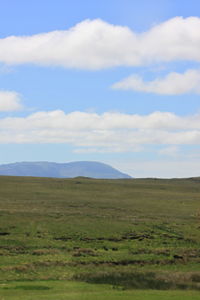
(91, 169)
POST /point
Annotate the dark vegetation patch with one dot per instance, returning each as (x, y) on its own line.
(2, 233)
(62, 238)
(139, 280)
(29, 287)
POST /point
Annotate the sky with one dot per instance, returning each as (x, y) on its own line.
(114, 81)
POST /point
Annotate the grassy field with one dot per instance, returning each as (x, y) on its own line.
(99, 239)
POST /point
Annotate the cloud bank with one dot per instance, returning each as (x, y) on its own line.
(10, 101)
(161, 168)
(173, 84)
(95, 44)
(108, 132)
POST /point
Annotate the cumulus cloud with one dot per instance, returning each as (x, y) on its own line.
(173, 84)
(95, 44)
(108, 132)
(10, 101)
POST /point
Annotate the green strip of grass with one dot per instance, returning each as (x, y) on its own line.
(82, 291)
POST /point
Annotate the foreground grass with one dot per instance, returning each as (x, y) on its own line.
(83, 291)
(84, 237)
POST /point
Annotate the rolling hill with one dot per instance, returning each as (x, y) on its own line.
(62, 170)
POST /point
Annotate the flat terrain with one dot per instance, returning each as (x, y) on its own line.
(99, 239)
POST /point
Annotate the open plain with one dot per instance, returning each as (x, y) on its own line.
(88, 238)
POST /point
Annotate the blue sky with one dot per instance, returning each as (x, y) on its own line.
(112, 81)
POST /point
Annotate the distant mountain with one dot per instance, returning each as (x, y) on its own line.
(62, 170)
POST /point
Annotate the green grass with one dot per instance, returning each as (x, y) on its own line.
(83, 291)
(109, 237)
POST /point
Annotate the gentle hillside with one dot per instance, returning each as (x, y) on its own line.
(62, 170)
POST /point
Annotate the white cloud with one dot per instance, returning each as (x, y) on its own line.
(170, 151)
(173, 84)
(95, 44)
(108, 132)
(10, 101)
(160, 168)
